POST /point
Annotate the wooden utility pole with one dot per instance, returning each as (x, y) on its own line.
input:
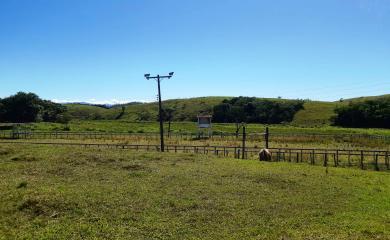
(160, 117)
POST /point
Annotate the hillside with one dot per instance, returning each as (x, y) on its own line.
(315, 113)
(90, 112)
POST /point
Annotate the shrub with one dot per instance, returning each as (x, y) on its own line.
(254, 110)
(370, 113)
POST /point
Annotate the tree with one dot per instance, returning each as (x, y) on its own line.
(254, 110)
(370, 113)
(28, 107)
(167, 114)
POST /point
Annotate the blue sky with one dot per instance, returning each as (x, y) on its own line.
(98, 50)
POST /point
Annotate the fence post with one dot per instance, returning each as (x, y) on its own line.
(243, 141)
(387, 161)
(325, 159)
(313, 157)
(349, 158)
(376, 162)
(266, 137)
(361, 159)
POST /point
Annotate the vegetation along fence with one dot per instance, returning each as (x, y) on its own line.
(364, 159)
(186, 136)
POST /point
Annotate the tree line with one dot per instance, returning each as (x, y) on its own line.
(255, 110)
(28, 107)
(370, 113)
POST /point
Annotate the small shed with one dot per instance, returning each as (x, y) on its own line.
(204, 121)
(204, 125)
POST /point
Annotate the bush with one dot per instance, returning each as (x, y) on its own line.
(370, 113)
(254, 110)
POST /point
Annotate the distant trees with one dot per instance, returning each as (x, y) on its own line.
(28, 107)
(254, 110)
(370, 113)
(123, 109)
(167, 114)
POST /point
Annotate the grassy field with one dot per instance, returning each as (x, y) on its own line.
(148, 127)
(71, 193)
(280, 135)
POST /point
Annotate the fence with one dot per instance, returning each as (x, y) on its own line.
(184, 135)
(363, 159)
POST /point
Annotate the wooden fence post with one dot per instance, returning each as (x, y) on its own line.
(301, 155)
(361, 159)
(325, 159)
(313, 158)
(376, 162)
(349, 158)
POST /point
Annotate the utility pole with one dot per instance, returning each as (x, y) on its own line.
(243, 140)
(160, 117)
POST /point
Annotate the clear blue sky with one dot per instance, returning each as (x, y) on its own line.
(99, 49)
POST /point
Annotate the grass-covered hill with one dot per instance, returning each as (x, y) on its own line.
(315, 113)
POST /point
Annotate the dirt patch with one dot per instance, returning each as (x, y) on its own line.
(134, 167)
(31, 206)
(36, 206)
(24, 158)
(4, 152)
(60, 171)
(275, 181)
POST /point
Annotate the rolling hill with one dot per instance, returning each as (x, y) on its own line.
(315, 113)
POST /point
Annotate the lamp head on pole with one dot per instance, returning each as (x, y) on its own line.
(147, 76)
(171, 74)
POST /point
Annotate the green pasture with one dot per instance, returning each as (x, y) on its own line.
(147, 127)
(77, 193)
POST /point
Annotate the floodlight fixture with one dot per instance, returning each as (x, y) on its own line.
(147, 75)
(171, 74)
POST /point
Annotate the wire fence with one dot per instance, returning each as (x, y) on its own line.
(226, 136)
(364, 159)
